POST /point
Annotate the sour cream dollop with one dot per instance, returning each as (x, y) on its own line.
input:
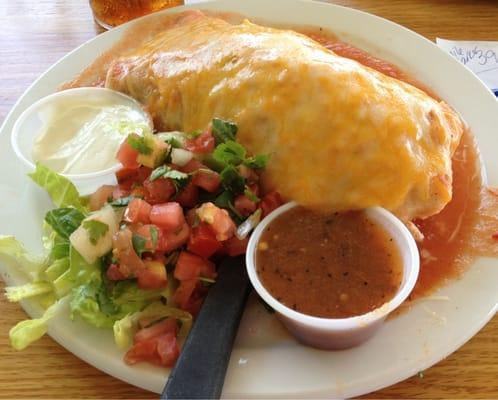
(81, 138)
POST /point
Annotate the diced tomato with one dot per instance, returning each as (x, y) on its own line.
(126, 174)
(137, 211)
(173, 240)
(218, 219)
(147, 232)
(139, 192)
(168, 349)
(143, 173)
(159, 190)
(100, 197)
(189, 196)
(153, 276)
(190, 295)
(191, 217)
(254, 188)
(202, 241)
(189, 266)
(114, 273)
(168, 325)
(270, 202)
(208, 270)
(235, 247)
(128, 177)
(119, 192)
(204, 143)
(155, 344)
(248, 174)
(184, 291)
(192, 165)
(168, 216)
(129, 261)
(127, 155)
(145, 350)
(207, 180)
(244, 205)
(159, 255)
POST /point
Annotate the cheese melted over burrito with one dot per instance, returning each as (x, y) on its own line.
(341, 135)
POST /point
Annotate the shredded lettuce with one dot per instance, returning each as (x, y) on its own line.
(59, 249)
(64, 220)
(55, 246)
(70, 272)
(60, 189)
(91, 303)
(56, 269)
(102, 307)
(130, 298)
(30, 265)
(28, 331)
(17, 293)
(125, 328)
(58, 274)
(79, 273)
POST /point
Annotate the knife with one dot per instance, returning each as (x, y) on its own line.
(200, 370)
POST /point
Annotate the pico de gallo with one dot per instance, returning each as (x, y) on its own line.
(139, 256)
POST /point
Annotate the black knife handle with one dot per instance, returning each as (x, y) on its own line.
(200, 370)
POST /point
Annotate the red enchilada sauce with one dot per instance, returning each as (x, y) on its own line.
(331, 266)
(468, 226)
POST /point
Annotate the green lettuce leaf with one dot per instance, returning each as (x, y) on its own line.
(64, 220)
(130, 298)
(13, 250)
(72, 272)
(101, 306)
(91, 303)
(59, 249)
(79, 272)
(60, 189)
(28, 331)
(55, 246)
(125, 328)
(58, 273)
(17, 293)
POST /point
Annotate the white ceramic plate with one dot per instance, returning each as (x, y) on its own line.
(266, 362)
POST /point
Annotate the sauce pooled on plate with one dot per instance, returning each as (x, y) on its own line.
(330, 266)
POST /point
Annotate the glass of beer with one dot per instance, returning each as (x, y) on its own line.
(110, 13)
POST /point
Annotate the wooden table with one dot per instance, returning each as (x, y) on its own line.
(36, 33)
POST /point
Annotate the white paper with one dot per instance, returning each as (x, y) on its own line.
(480, 57)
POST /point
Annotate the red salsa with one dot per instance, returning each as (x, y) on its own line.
(332, 266)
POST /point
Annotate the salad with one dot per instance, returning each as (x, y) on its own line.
(139, 257)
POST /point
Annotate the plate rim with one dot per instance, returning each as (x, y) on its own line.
(109, 34)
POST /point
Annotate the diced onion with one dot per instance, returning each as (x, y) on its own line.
(248, 225)
(181, 157)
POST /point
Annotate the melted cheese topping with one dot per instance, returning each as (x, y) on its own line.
(341, 135)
